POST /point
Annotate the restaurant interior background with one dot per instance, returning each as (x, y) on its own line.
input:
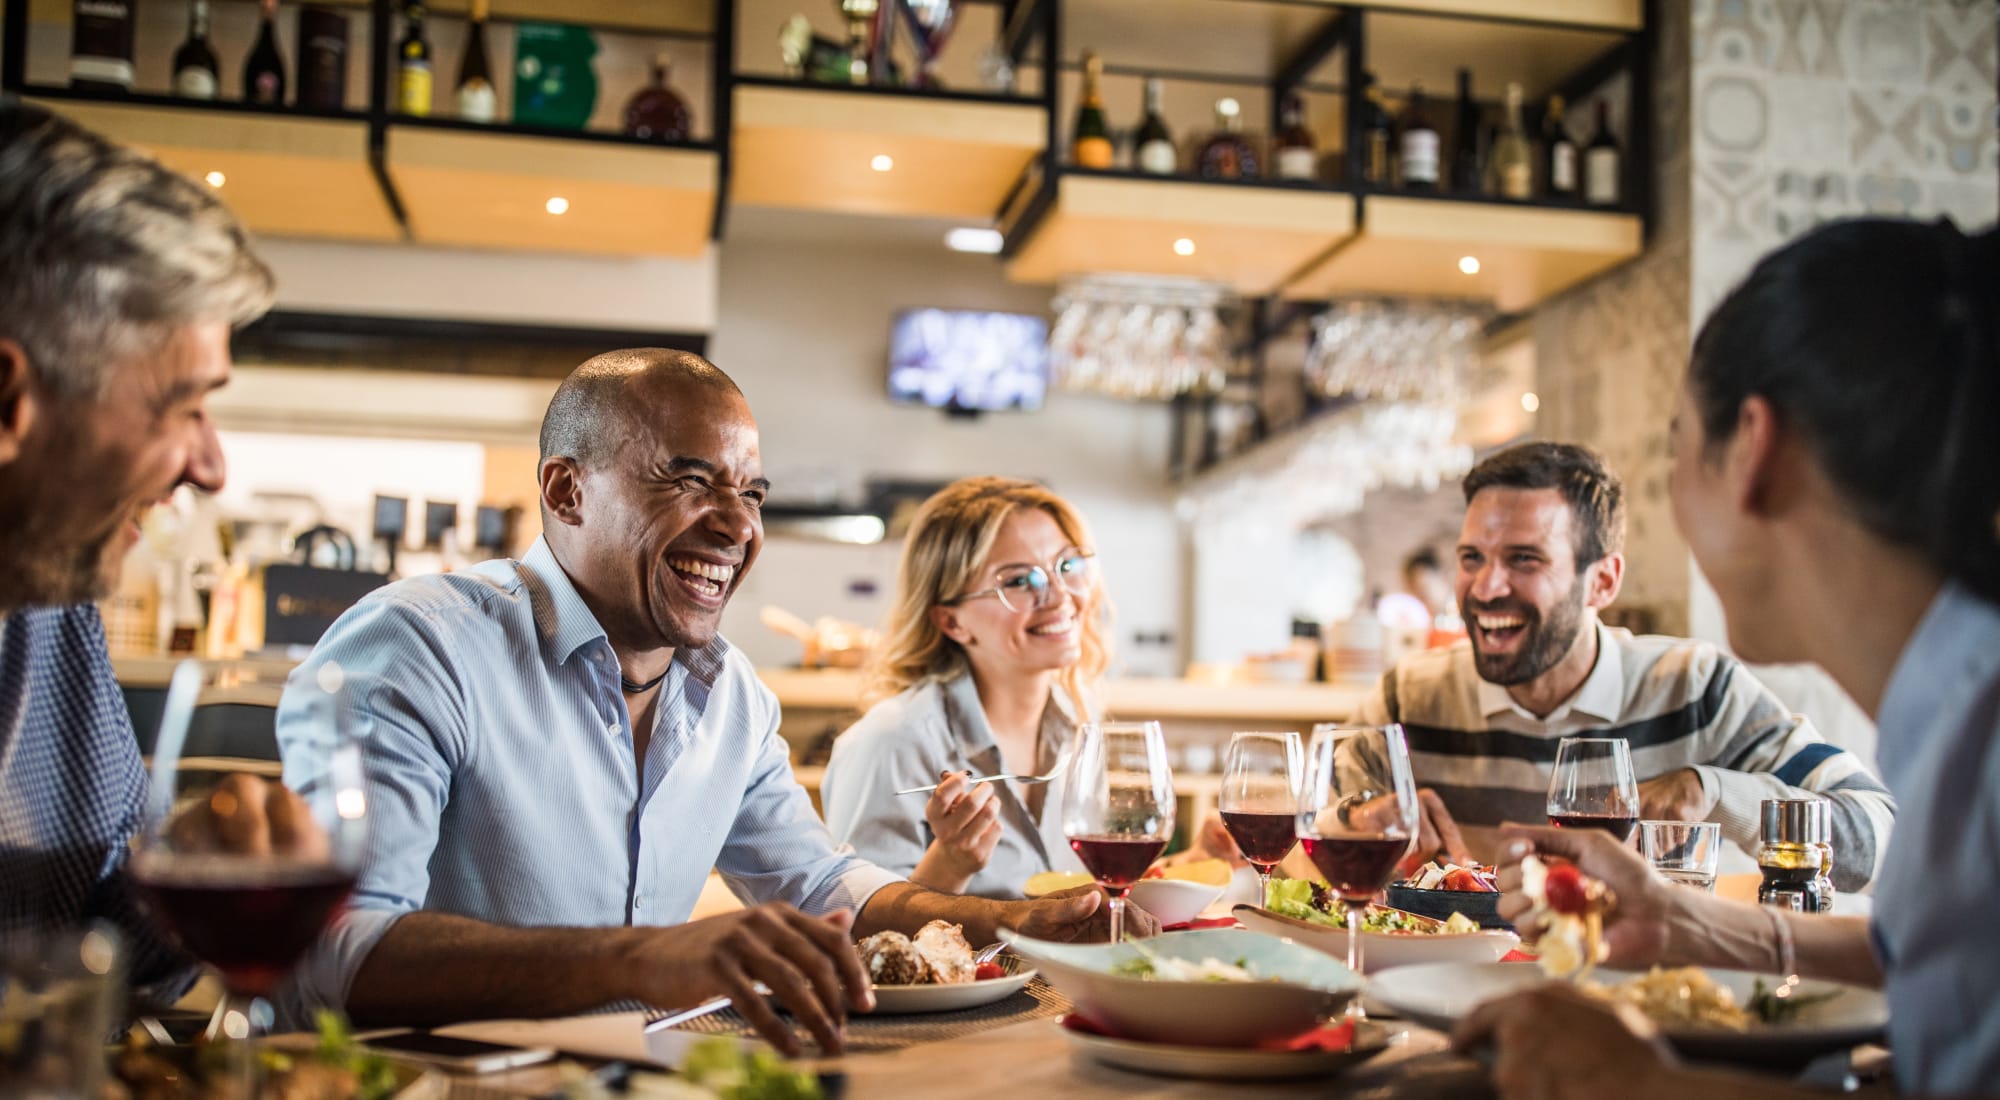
(431, 292)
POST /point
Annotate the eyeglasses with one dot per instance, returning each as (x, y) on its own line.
(1029, 587)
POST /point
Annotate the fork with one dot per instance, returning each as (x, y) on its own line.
(1062, 762)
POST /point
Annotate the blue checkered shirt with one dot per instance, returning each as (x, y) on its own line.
(71, 791)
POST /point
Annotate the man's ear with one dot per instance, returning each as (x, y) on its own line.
(22, 402)
(946, 620)
(1604, 578)
(562, 490)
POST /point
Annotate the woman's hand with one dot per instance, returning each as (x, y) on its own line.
(965, 820)
(1558, 1043)
(1647, 906)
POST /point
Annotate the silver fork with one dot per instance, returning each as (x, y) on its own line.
(1062, 762)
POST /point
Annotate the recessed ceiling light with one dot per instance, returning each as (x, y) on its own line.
(968, 239)
(216, 179)
(1184, 247)
(1530, 402)
(1469, 264)
(882, 162)
(556, 205)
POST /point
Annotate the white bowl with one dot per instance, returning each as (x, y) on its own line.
(1174, 901)
(1303, 988)
(1382, 950)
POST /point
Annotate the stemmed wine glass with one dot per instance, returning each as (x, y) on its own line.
(1593, 788)
(1261, 776)
(246, 878)
(1358, 817)
(1118, 805)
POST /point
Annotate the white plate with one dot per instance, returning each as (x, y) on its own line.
(1382, 950)
(1173, 901)
(893, 1000)
(1439, 994)
(1224, 1063)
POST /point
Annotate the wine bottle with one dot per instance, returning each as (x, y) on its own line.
(1601, 162)
(413, 65)
(196, 74)
(100, 49)
(1418, 164)
(322, 58)
(474, 98)
(655, 112)
(1378, 137)
(1090, 144)
(1558, 152)
(1466, 178)
(1227, 155)
(264, 69)
(1296, 155)
(1157, 154)
(1511, 171)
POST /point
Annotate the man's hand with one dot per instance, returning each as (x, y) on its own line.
(1636, 928)
(1675, 796)
(808, 962)
(1212, 841)
(1079, 915)
(1558, 1043)
(245, 815)
(1436, 831)
(966, 822)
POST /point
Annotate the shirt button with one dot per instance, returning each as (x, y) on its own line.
(613, 728)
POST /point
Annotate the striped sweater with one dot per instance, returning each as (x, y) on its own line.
(1679, 703)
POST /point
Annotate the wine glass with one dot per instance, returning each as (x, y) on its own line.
(248, 888)
(1118, 805)
(1261, 775)
(1593, 786)
(1357, 817)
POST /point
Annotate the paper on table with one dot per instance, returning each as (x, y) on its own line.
(621, 1036)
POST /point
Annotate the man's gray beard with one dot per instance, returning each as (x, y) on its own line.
(1549, 641)
(31, 574)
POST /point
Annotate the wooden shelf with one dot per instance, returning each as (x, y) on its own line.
(680, 17)
(1249, 236)
(467, 188)
(1412, 247)
(286, 174)
(808, 147)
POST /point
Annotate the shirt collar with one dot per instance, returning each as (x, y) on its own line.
(567, 624)
(1601, 695)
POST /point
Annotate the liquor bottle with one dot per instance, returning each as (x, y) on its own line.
(1157, 154)
(474, 98)
(1227, 154)
(1297, 157)
(322, 58)
(1466, 178)
(413, 65)
(264, 69)
(100, 49)
(1418, 164)
(1600, 162)
(1511, 173)
(1558, 152)
(1378, 137)
(196, 75)
(1090, 144)
(654, 112)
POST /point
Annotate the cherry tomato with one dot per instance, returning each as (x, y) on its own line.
(988, 970)
(1463, 879)
(1564, 889)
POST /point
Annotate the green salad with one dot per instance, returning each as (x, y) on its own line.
(1309, 901)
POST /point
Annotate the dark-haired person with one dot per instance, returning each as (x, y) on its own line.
(1837, 475)
(1539, 553)
(560, 749)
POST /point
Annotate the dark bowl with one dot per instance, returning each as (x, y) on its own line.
(1477, 905)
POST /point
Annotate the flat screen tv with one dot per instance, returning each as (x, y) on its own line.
(970, 360)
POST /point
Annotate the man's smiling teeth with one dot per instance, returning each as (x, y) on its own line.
(694, 567)
(1499, 622)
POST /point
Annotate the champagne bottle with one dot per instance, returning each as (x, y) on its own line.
(1466, 177)
(322, 58)
(1378, 138)
(1559, 152)
(655, 112)
(1296, 154)
(413, 65)
(1512, 170)
(196, 75)
(1227, 155)
(1419, 161)
(264, 69)
(1601, 162)
(474, 98)
(1157, 154)
(100, 51)
(1090, 145)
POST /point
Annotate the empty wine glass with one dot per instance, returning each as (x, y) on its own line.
(1118, 805)
(1261, 777)
(1593, 788)
(1357, 817)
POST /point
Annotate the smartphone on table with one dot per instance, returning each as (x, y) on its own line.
(457, 1055)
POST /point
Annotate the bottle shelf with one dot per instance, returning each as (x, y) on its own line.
(694, 18)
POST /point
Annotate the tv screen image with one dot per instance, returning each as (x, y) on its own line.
(969, 359)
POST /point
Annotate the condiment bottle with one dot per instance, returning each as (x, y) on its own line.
(1795, 855)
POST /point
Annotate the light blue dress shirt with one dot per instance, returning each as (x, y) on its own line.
(502, 783)
(1940, 885)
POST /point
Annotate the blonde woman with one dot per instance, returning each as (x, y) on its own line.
(990, 659)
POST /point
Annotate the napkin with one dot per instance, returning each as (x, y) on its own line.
(619, 1036)
(1201, 922)
(1333, 1037)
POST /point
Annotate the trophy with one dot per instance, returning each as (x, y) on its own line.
(860, 14)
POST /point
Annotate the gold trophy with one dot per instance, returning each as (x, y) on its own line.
(859, 14)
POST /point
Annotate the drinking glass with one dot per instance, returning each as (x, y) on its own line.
(1593, 786)
(59, 996)
(1261, 777)
(1118, 805)
(247, 889)
(1684, 852)
(1357, 817)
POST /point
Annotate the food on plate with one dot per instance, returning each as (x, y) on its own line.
(938, 955)
(987, 971)
(1439, 875)
(1570, 906)
(1154, 968)
(1208, 872)
(1309, 901)
(338, 1068)
(1686, 998)
(1044, 883)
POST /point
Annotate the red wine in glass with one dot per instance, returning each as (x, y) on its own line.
(252, 923)
(1357, 866)
(1264, 839)
(1618, 825)
(1116, 862)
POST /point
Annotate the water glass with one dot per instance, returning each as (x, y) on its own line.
(1685, 852)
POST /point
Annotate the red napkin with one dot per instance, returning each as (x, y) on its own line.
(1334, 1037)
(1202, 922)
(1517, 956)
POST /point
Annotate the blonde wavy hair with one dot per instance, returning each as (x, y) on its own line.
(949, 542)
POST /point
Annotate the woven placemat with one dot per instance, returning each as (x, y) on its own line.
(874, 1034)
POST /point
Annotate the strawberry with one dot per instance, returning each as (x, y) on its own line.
(1565, 890)
(1464, 879)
